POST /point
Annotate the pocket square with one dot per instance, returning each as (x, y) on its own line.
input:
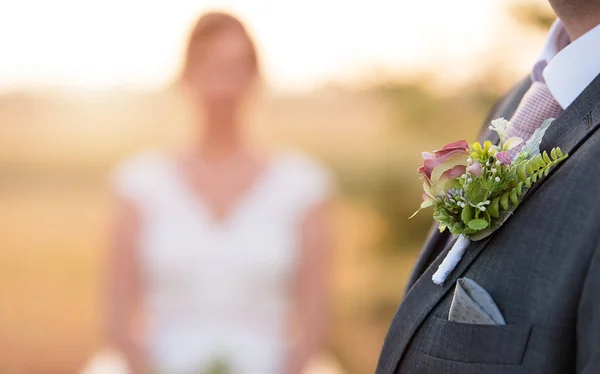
(472, 304)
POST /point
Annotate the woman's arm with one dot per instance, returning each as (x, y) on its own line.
(125, 325)
(311, 290)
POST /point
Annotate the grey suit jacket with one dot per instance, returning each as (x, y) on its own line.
(542, 268)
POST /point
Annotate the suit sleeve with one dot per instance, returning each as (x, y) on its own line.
(588, 321)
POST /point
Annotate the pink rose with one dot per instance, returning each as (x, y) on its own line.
(504, 157)
(440, 168)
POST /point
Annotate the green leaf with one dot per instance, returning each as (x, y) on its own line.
(521, 171)
(559, 152)
(529, 167)
(469, 231)
(540, 173)
(540, 162)
(467, 214)
(478, 224)
(534, 178)
(513, 197)
(504, 201)
(493, 209)
(553, 154)
(546, 158)
(520, 188)
(528, 182)
(457, 227)
(546, 172)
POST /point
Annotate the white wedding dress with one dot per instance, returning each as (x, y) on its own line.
(219, 290)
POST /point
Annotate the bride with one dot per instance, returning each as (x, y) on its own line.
(219, 255)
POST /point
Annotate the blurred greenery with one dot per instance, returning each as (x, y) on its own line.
(538, 15)
(53, 166)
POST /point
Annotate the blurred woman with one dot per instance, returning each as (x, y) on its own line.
(220, 251)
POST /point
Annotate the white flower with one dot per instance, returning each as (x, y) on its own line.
(499, 125)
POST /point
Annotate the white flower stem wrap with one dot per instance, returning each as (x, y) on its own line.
(451, 260)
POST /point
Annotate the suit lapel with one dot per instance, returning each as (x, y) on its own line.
(434, 239)
(572, 128)
(577, 123)
(423, 295)
(418, 303)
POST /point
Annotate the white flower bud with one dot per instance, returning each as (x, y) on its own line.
(470, 180)
(497, 179)
(469, 161)
(483, 209)
(494, 170)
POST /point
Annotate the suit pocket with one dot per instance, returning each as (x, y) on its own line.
(483, 344)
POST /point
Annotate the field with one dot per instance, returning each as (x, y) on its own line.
(56, 153)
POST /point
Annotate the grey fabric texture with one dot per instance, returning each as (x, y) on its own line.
(472, 304)
(542, 268)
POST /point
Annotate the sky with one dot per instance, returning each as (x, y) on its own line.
(138, 44)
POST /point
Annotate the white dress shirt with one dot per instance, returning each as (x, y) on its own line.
(568, 67)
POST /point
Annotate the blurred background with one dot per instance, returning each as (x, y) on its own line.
(363, 86)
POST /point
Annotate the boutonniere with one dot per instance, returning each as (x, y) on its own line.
(473, 189)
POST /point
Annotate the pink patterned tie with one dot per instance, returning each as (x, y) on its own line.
(537, 105)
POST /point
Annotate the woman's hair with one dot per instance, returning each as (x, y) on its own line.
(209, 26)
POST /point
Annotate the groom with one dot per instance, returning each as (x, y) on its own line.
(536, 280)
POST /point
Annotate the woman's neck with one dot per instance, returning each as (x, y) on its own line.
(220, 142)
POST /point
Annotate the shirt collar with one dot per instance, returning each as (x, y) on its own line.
(568, 67)
(556, 40)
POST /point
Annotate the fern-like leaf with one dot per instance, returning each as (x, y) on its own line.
(504, 200)
(546, 157)
(513, 197)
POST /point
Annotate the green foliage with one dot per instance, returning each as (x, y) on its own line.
(467, 214)
(529, 171)
(535, 15)
(479, 190)
(478, 224)
(494, 208)
(482, 199)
